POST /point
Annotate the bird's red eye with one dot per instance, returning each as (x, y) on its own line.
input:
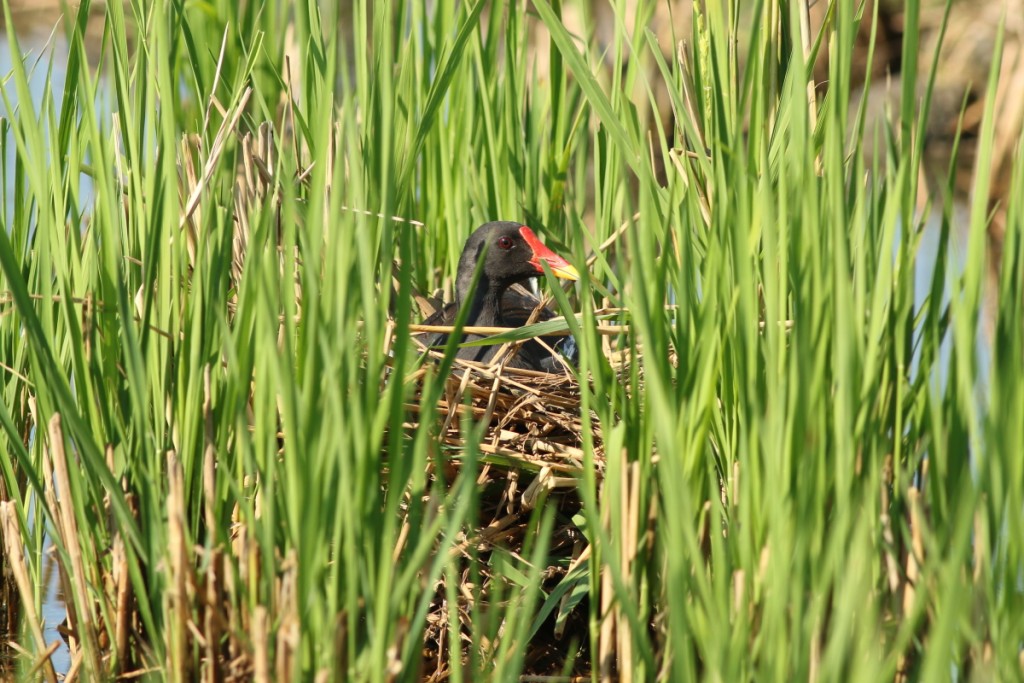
(505, 242)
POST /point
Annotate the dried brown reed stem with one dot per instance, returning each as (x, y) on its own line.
(68, 528)
(226, 131)
(177, 594)
(629, 538)
(43, 660)
(448, 329)
(915, 558)
(16, 561)
(888, 537)
(50, 496)
(287, 636)
(606, 660)
(124, 603)
(261, 657)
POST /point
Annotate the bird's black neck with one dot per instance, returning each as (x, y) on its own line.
(484, 303)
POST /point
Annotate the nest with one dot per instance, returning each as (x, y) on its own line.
(531, 453)
(533, 419)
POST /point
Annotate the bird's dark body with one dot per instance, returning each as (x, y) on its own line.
(517, 306)
(511, 253)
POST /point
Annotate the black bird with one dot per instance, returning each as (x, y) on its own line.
(512, 254)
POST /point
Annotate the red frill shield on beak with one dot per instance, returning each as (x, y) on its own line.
(559, 266)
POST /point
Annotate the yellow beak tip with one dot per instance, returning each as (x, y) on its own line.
(567, 273)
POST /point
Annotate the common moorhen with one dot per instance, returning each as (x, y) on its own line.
(512, 254)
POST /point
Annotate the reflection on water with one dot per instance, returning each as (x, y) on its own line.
(53, 611)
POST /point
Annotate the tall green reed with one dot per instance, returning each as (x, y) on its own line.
(776, 494)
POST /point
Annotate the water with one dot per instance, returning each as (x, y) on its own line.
(925, 270)
(53, 612)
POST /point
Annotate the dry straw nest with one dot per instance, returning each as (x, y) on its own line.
(534, 420)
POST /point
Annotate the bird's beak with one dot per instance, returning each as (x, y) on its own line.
(559, 266)
(562, 268)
